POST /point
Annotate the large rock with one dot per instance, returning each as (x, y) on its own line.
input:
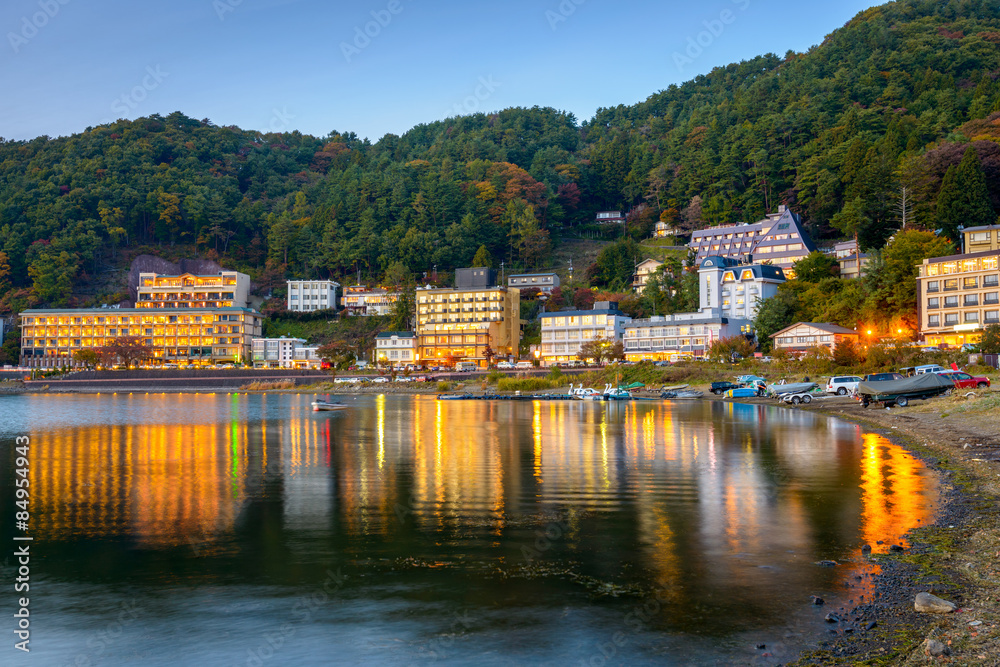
(932, 604)
(935, 649)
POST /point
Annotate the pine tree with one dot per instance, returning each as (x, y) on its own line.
(978, 207)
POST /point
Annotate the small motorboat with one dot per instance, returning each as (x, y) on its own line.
(320, 406)
(681, 393)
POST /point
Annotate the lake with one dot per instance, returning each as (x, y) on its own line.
(236, 529)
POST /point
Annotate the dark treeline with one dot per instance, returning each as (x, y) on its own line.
(893, 100)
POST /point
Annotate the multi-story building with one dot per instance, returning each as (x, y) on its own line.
(546, 282)
(803, 336)
(459, 323)
(228, 289)
(565, 331)
(306, 295)
(361, 300)
(981, 239)
(680, 335)
(397, 348)
(190, 337)
(734, 289)
(643, 270)
(957, 296)
(850, 259)
(275, 352)
(778, 240)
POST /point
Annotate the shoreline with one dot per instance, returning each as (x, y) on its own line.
(957, 557)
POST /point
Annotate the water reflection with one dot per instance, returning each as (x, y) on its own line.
(723, 506)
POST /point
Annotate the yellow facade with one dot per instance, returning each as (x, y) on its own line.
(460, 323)
(49, 338)
(958, 296)
(982, 239)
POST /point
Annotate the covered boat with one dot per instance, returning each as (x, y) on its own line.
(901, 392)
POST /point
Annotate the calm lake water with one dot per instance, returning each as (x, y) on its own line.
(233, 529)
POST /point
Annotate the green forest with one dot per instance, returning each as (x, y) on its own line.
(895, 115)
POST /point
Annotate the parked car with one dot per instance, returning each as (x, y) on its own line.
(380, 378)
(505, 366)
(719, 388)
(965, 381)
(524, 365)
(882, 377)
(842, 384)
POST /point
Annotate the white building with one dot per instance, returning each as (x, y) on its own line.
(563, 332)
(546, 282)
(306, 295)
(226, 289)
(729, 296)
(643, 270)
(736, 289)
(274, 352)
(396, 347)
(362, 300)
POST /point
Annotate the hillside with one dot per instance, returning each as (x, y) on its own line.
(892, 99)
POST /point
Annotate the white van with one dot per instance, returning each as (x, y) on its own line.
(466, 366)
(524, 366)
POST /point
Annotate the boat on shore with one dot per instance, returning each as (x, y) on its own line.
(682, 393)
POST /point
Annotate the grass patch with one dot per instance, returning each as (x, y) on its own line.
(268, 386)
(444, 386)
(527, 384)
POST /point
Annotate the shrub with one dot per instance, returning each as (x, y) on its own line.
(444, 386)
(268, 386)
(527, 384)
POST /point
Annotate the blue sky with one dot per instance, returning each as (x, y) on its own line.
(369, 66)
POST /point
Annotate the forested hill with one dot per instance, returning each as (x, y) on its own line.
(892, 99)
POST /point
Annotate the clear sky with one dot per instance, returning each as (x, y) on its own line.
(369, 66)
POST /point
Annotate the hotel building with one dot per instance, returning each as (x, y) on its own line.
(361, 300)
(981, 239)
(849, 258)
(803, 336)
(729, 296)
(778, 239)
(228, 289)
(306, 295)
(957, 296)
(192, 337)
(460, 322)
(643, 270)
(564, 332)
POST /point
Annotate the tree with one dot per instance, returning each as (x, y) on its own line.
(990, 341)
(846, 353)
(815, 266)
(89, 358)
(851, 220)
(775, 314)
(729, 349)
(964, 199)
(4, 272)
(614, 266)
(896, 276)
(339, 354)
(483, 258)
(489, 355)
(128, 351)
(597, 349)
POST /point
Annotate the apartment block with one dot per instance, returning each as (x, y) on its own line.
(228, 289)
(643, 270)
(189, 337)
(306, 295)
(684, 335)
(803, 336)
(284, 352)
(459, 323)
(957, 296)
(564, 332)
(852, 263)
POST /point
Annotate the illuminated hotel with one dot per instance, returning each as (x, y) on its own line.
(957, 296)
(461, 322)
(227, 289)
(193, 336)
